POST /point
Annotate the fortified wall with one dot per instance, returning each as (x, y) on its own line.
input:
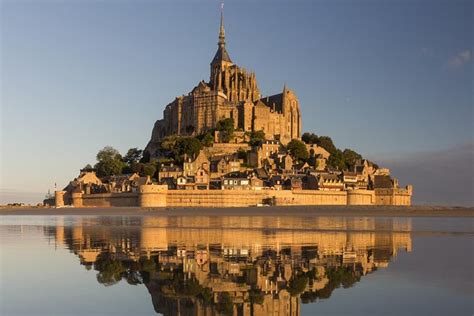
(160, 196)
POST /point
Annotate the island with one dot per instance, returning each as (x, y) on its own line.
(225, 145)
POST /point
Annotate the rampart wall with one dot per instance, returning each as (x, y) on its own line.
(108, 199)
(160, 196)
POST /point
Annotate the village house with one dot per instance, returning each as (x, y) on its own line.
(293, 183)
(222, 165)
(350, 180)
(169, 171)
(256, 183)
(191, 166)
(330, 182)
(125, 182)
(235, 181)
(264, 150)
(201, 179)
(276, 181)
(284, 162)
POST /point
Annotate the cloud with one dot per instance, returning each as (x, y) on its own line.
(443, 177)
(460, 59)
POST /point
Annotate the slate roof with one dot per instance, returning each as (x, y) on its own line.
(221, 55)
(276, 99)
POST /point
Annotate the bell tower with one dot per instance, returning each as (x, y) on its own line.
(221, 59)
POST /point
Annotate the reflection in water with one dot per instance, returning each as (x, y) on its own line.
(233, 265)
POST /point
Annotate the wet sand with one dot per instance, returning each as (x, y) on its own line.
(382, 211)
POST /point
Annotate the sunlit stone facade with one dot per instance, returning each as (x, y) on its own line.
(231, 92)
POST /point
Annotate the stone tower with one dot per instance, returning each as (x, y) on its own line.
(231, 92)
(228, 78)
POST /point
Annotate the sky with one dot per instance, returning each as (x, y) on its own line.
(390, 79)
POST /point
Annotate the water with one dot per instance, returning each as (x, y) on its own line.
(260, 265)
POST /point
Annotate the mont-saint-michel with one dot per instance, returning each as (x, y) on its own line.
(225, 144)
(326, 177)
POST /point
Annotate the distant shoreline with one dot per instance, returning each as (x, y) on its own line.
(378, 211)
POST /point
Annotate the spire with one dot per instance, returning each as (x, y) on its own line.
(221, 30)
(221, 54)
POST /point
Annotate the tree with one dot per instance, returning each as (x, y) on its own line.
(326, 143)
(242, 154)
(312, 161)
(134, 155)
(168, 143)
(310, 138)
(87, 167)
(188, 146)
(297, 284)
(146, 157)
(336, 160)
(149, 169)
(350, 157)
(110, 270)
(226, 127)
(109, 162)
(206, 139)
(297, 150)
(256, 137)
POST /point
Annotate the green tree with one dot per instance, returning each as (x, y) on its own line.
(242, 154)
(149, 169)
(297, 150)
(110, 270)
(297, 284)
(326, 143)
(168, 143)
(336, 160)
(226, 127)
(310, 138)
(145, 157)
(109, 162)
(134, 155)
(312, 159)
(188, 146)
(206, 139)
(256, 137)
(350, 158)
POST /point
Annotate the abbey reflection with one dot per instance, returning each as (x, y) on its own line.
(240, 265)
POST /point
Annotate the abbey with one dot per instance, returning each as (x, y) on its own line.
(231, 92)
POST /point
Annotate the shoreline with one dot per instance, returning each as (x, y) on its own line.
(362, 210)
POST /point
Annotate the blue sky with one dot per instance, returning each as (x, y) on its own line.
(389, 79)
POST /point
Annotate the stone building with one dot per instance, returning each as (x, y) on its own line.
(231, 92)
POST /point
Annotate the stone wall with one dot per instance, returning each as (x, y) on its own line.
(398, 196)
(160, 196)
(107, 199)
(309, 197)
(153, 195)
(225, 149)
(360, 197)
(215, 198)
